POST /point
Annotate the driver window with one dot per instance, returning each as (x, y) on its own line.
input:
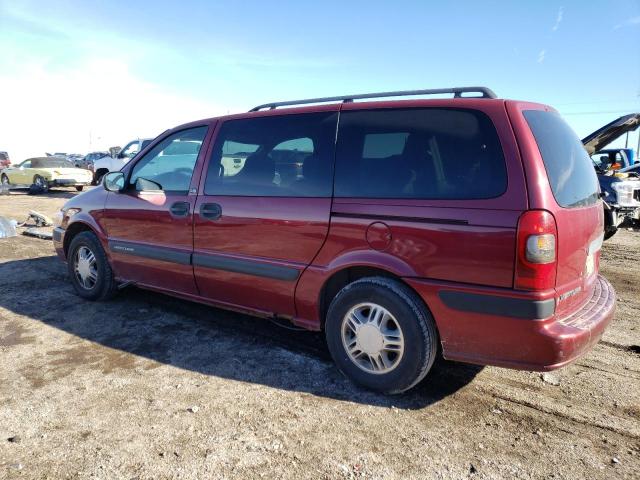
(169, 165)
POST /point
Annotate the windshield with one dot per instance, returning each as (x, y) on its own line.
(569, 168)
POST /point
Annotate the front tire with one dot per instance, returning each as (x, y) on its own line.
(609, 232)
(97, 177)
(89, 269)
(381, 335)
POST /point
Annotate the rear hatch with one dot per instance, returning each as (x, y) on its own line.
(574, 203)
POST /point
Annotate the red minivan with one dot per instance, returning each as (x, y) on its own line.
(470, 225)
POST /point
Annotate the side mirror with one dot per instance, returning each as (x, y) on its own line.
(113, 182)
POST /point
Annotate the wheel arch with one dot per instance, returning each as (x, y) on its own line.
(349, 274)
(74, 229)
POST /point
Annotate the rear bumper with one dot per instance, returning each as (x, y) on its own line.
(68, 182)
(518, 338)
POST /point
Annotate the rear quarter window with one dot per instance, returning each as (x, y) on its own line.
(419, 153)
(572, 178)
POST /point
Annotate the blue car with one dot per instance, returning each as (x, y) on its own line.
(618, 173)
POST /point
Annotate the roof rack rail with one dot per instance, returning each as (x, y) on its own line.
(457, 93)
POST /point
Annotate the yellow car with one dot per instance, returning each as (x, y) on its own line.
(45, 172)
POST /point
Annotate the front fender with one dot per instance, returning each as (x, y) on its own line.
(91, 208)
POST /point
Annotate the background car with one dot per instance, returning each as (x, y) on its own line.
(108, 164)
(618, 158)
(618, 173)
(74, 157)
(87, 162)
(5, 161)
(45, 172)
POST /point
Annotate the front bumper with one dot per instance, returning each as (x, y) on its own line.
(58, 242)
(514, 341)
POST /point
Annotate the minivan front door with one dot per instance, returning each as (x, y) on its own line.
(150, 224)
(263, 209)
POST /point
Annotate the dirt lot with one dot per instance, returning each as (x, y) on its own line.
(146, 386)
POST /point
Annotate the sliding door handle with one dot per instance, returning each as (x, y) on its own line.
(210, 211)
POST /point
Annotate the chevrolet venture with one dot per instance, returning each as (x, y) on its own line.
(469, 226)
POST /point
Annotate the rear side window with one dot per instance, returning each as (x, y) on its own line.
(274, 156)
(569, 168)
(426, 153)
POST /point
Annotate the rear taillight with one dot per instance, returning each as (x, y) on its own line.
(536, 251)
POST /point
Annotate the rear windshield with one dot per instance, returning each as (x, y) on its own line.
(569, 168)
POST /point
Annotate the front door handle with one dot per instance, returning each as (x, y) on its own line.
(180, 209)
(210, 211)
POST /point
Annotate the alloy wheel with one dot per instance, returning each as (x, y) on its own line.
(86, 268)
(372, 338)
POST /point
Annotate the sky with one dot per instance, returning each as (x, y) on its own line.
(79, 76)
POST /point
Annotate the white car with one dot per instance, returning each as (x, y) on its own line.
(108, 164)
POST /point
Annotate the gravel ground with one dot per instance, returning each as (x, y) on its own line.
(150, 387)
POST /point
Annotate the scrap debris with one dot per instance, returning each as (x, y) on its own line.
(7, 227)
(38, 219)
(36, 225)
(38, 233)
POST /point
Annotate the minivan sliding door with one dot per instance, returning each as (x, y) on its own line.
(263, 208)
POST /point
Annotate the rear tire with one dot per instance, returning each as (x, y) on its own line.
(89, 269)
(5, 179)
(398, 344)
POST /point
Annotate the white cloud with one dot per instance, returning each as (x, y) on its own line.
(541, 56)
(630, 22)
(556, 25)
(92, 107)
